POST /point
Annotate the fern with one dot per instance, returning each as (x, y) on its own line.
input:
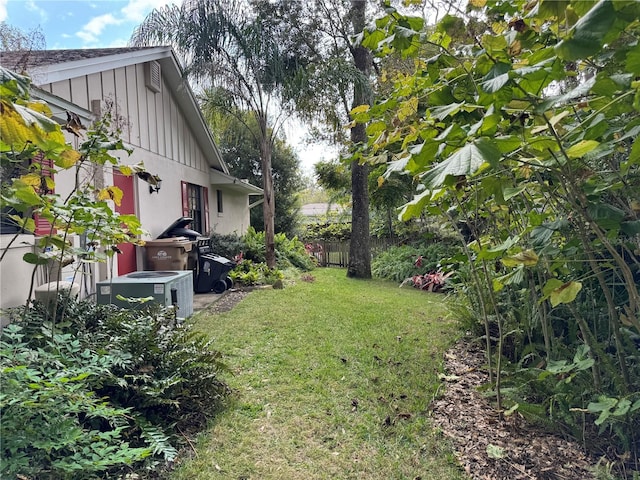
(157, 439)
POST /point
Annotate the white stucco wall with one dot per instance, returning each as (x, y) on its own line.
(15, 274)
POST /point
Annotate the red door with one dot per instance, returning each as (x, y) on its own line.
(126, 259)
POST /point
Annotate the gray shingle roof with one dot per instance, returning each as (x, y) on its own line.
(20, 61)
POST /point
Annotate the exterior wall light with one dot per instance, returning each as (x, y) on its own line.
(156, 187)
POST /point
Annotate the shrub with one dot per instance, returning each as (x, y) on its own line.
(399, 263)
(289, 252)
(250, 273)
(52, 419)
(104, 389)
(227, 245)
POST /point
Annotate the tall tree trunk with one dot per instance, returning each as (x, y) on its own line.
(359, 250)
(269, 204)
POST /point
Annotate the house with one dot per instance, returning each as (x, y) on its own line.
(145, 92)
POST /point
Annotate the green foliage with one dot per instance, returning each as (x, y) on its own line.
(399, 263)
(290, 252)
(52, 418)
(227, 245)
(327, 231)
(249, 273)
(524, 135)
(102, 390)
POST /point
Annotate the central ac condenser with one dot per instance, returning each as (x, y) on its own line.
(166, 288)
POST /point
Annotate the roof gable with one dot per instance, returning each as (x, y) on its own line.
(49, 66)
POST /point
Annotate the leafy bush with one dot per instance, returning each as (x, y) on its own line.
(52, 419)
(399, 263)
(250, 273)
(292, 253)
(289, 252)
(227, 245)
(103, 389)
(327, 231)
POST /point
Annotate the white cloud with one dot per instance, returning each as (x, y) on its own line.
(134, 12)
(3, 10)
(31, 6)
(91, 32)
(137, 10)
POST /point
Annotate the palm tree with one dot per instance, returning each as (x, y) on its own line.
(231, 48)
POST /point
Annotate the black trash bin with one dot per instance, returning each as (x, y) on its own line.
(212, 270)
(179, 229)
(209, 270)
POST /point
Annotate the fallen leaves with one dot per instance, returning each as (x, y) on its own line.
(489, 447)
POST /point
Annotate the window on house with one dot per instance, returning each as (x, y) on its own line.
(219, 200)
(195, 205)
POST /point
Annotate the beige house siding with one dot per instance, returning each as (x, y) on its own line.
(172, 144)
(151, 121)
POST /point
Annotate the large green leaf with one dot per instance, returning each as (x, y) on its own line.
(605, 215)
(444, 111)
(581, 148)
(588, 34)
(497, 77)
(633, 60)
(553, 8)
(559, 292)
(415, 207)
(464, 161)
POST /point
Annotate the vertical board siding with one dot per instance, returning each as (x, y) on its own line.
(175, 134)
(108, 84)
(94, 90)
(121, 106)
(159, 98)
(166, 122)
(62, 89)
(79, 93)
(143, 116)
(132, 105)
(152, 119)
(147, 120)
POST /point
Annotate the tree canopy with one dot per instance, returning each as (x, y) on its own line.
(523, 127)
(232, 47)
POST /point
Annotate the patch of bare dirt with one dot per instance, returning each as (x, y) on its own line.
(229, 300)
(494, 448)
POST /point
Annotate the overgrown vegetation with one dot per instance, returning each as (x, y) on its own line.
(105, 392)
(404, 261)
(249, 252)
(522, 129)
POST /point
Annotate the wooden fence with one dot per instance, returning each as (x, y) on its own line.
(335, 253)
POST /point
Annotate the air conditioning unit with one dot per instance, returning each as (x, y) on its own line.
(166, 288)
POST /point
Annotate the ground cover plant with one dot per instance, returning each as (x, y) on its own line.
(101, 391)
(332, 378)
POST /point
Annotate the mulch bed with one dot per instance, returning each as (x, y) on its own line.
(490, 447)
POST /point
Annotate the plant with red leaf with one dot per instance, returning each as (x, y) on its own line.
(431, 281)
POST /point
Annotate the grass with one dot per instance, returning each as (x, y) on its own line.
(332, 380)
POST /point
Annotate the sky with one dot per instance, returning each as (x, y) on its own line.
(79, 23)
(110, 23)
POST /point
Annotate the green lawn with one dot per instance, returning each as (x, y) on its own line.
(332, 380)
